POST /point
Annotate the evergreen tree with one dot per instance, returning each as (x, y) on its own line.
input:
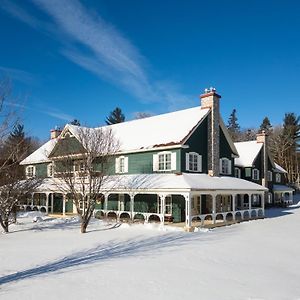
(116, 116)
(233, 126)
(266, 126)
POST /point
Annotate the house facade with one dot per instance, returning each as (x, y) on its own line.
(175, 167)
(255, 164)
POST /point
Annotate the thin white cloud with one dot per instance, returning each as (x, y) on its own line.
(17, 74)
(98, 47)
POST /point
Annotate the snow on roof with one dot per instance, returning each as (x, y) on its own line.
(41, 154)
(282, 188)
(161, 130)
(279, 169)
(248, 152)
(161, 182)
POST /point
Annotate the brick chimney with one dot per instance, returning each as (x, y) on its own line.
(210, 99)
(54, 133)
(263, 138)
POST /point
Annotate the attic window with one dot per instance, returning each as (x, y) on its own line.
(237, 172)
(270, 177)
(255, 174)
(225, 166)
(193, 162)
(278, 177)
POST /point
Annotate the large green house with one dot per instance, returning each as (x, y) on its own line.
(175, 167)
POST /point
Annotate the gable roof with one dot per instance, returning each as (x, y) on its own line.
(170, 129)
(279, 169)
(248, 152)
(41, 154)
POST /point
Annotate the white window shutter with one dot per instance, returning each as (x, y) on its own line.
(221, 166)
(155, 162)
(187, 161)
(173, 161)
(126, 164)
(229, 166)
(117, 165)
(199, 167)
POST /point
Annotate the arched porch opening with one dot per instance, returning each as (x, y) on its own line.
(138, 218)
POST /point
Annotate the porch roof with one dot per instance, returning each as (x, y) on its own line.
(282, 188)
(161, 182)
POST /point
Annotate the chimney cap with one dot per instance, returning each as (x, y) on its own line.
(209, 92)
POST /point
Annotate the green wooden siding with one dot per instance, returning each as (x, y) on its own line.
(178, 208)
(197, 142)
(67, 146)
(69, 206)
(41, 170)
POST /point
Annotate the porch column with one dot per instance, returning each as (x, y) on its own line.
(200, 205)
(262, 203)
(188, 211)
(162, 207)
(214, 208)
(52, 201)
(105, 201)
(234, 197)
(250, 200)
(47, 202)
(132, 205)
(64, 204)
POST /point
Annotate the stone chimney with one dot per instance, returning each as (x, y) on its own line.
(210, 99)
(54, 133)
(263, 138)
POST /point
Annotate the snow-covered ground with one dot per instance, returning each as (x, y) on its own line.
(50, 259)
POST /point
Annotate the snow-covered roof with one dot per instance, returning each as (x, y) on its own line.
(41, 154)
(282, 188)
(279, 169)
(163, 182)
(248, 152)
(161, 130)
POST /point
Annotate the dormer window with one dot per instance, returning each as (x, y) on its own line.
(30, 171)
(121, 164)
(237, 172)
(164, 161)
(225, 166)
(270, 176)
(255, 174)
(193, 162)
(278, 177)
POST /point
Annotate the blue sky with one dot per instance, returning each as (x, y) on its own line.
(72, 59)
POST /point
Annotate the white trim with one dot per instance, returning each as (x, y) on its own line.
(255, 174)
(227, 166)
(119, 168)
(50, 173)
(277, 177)
(32, 174)
(199, 161)
(270, 176)
(238, 173)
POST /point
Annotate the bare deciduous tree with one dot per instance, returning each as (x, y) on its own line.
(84, 171)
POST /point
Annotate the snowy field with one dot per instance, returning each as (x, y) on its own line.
(50, 259)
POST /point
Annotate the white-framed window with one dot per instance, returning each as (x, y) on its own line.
(30, 171)
(121, 164)
(255, 174)
(79, 166)
(278, 177)
(247, 172)
(237, 172)
(164, 161)
(225, 166)
(50, 170)
(193, 162)
(270, 176)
